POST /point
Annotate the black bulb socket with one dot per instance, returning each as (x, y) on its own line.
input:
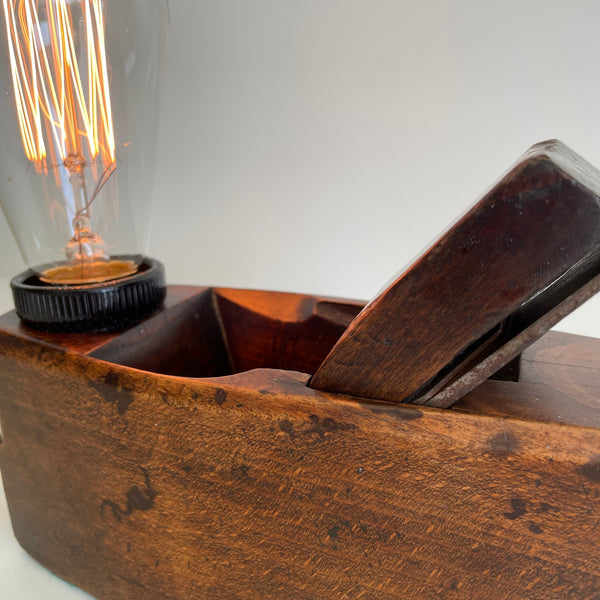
(111, 305)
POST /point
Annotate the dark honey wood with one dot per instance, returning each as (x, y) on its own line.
(185, 339)
(206, 332)
(134, 484)
(281, 331)
(522, 258)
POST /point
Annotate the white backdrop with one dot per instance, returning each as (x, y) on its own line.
(319, 145)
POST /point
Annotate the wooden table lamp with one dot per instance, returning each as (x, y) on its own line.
(437, 443)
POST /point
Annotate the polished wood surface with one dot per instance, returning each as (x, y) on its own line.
(281, 331)
(136, 484)
(518, 261)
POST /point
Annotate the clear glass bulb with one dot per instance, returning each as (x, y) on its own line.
(81, 84)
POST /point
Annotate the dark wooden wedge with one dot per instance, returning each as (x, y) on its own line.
(516, 263)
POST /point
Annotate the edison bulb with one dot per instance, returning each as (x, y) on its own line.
(81, 82)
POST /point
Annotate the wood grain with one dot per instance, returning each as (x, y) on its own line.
(134, 484)
(559, 382)
(281, 331)
(491, 285)
(185, 339)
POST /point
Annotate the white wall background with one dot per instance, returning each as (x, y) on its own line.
(319, 145)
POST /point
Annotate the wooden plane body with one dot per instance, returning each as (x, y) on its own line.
(188, 457)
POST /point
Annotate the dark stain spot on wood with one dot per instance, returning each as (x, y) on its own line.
(186, 468)
(136, 498)
(333, 532)
(591, 469)
(503, 443)
(518, 509)
(400, 413)
(535, 528)
(220, 397)
(546, 508)
(241, 472)
(327, 425)
(111, 390)
(130, 580)
(468, 244)
(287, 427)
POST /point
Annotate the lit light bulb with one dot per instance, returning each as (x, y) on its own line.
(81, 87)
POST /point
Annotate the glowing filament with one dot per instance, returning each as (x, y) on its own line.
(52, 102)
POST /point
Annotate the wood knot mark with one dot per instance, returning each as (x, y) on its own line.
(136, 498)
(111, 390)
(518, 506)
(591, 469)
